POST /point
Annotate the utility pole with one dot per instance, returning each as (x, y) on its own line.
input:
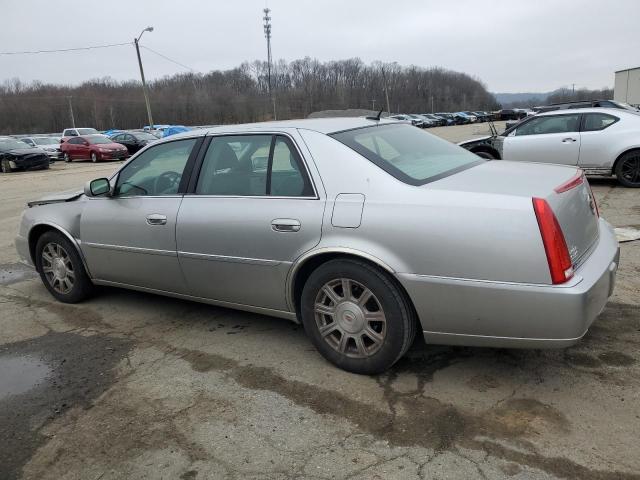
(73, 120)
(144, 83)
(373, 104)
(386, 91)
(267, 34)
(432, 110)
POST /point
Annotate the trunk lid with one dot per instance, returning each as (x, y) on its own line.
(574, 208)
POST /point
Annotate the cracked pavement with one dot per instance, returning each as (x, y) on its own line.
(131, 385)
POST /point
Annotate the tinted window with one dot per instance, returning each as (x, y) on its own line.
(408, 153)
(97, 139)
(235, 165)
(87, 131)
(69, 133)
(118, 138)
(157, 171)
(240, 165)
(597, 121)
(551, 124)
(287, 172)
(75, 141)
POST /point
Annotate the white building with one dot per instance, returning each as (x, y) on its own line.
(627, 86)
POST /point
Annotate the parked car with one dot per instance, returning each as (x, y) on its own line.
(437, 121)
(585, 104)
(50, 145)
(465, 118)
(17, 155)
(601, 141)
(450, 116)
(474, 118)
(511, 114)
(92, 147)
(367, 242)
(75, 132)
(483, 116)
(424, 121)
(134, 141)
(174, 129)
(415, 122)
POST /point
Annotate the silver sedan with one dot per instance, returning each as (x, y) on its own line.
(363, 230)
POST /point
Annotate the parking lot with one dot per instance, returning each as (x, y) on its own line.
(131, 385)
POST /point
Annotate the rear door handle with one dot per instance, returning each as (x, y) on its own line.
(568, 140)
(156, 219)
(285, 225)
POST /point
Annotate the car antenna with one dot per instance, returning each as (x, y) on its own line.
(376, 118)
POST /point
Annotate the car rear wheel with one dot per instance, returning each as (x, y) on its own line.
(94, 157)
(628, 169)
(356, 316)
(61, 268)
(66, 157)
(5, 166)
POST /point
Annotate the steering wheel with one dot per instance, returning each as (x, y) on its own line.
(167, 182)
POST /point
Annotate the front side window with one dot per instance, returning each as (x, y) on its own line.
(252, 165)
(597, 121)
(76, 141)
(550, 124)
(409, 154)
(156, 172)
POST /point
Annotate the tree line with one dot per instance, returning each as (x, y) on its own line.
(241, 94)
(562, 95)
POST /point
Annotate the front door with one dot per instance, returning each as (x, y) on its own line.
(545, 139)
(253, 211)
(129, 238)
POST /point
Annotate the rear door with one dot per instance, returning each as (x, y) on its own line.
(72, 147)
(252, 210)
(545, 139)
(596, 137)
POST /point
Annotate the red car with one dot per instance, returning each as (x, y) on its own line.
(94, 147)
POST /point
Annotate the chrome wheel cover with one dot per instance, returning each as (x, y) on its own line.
(350, 318)
(57, 268)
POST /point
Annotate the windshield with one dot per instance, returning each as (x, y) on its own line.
(87, 131)
(144, 136)
(45, 141)
(11, 144)
(95, 139)
(408, 153)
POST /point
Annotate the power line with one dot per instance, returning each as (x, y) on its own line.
(29, 52)
(167, 58)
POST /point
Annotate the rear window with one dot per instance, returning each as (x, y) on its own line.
(408, 153)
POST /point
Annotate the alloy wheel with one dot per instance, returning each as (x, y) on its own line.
(631, 169)
(57, 268)
(350, 318)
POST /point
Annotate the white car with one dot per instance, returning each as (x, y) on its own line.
(601, 141)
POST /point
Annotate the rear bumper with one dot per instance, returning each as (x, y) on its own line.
(501, 314)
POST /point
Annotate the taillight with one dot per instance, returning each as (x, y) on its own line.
(576, 180)
(555, 247)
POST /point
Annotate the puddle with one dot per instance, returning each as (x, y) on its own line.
(21, 374)
(15, 272)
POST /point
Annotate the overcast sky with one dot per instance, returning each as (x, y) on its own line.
(511, 45)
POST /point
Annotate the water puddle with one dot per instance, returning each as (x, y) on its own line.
(21, 374)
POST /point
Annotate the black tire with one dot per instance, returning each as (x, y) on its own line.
(82, 286)
(5, 166)
(486, 155)
(94, 157)
(400, 329)
(628, 169)
(66, 157)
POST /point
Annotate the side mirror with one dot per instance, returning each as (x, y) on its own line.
(97, 187)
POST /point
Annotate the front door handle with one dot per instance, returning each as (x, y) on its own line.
(285, 225)
(156, 219)
(568, 140)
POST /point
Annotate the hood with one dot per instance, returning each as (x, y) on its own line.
(20, 152)
(66, 196)
(110, 146)
(474, 140)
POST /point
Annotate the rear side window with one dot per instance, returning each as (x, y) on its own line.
(597, 121)
(253, 165)
(408, 153)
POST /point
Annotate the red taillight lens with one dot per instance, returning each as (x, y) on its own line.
(555, 247)
(576, 180)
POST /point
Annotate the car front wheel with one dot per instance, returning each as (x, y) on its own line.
(5, 166)
(628, 169)
(61, 268)
(356, 316)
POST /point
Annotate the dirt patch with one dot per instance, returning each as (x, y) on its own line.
(77, 369)
(16, 272)
(616, 359)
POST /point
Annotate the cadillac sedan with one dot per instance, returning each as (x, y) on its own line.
(364, 230)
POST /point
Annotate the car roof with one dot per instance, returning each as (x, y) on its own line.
(612, 111)
(321, 125)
